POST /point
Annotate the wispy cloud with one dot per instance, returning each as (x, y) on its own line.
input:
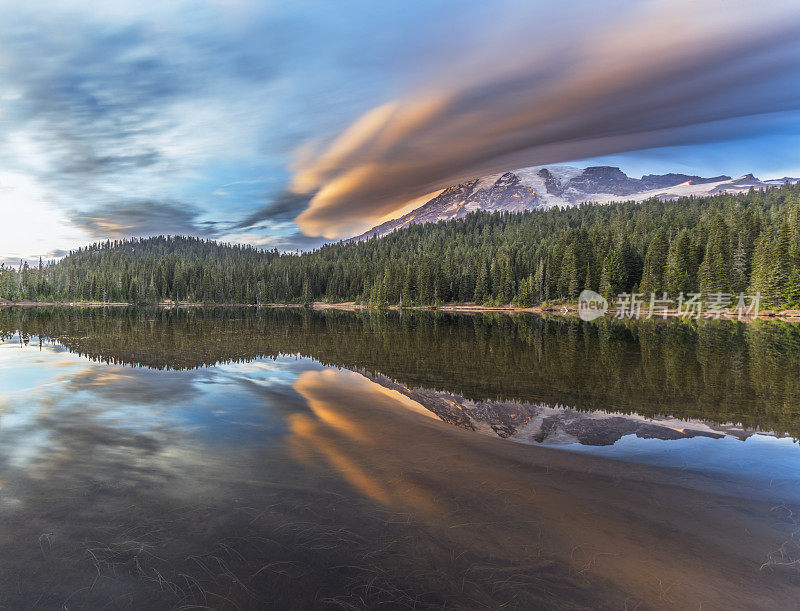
(285, 236)
(142, 218)
(282, 206)
(158, 103)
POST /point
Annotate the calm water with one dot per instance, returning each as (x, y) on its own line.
(239, 459)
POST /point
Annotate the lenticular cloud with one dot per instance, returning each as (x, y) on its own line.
(637, 76)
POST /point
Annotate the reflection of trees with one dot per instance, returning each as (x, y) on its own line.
(707, 370)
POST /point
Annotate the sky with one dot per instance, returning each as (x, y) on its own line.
(286, 124)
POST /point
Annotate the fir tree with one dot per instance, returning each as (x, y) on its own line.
(715, 269)
(680, 265)
(655, 264)
(612, 280)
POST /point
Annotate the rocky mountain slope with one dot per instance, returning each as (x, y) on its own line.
(544, 187)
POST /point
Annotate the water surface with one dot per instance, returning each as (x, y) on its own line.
(241, 458)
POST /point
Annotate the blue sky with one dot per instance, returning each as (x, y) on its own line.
(284, 124)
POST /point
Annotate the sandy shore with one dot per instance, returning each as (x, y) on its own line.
(569, 310)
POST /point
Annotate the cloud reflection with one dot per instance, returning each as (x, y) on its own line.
(342, 431)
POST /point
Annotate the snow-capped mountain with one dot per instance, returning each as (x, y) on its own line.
(544, 187)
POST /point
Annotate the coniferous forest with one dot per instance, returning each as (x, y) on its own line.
(724, 243)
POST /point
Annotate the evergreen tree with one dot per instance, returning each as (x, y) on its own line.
(655, 264)
(680, 265)
(612, 280)
(481, 284)
(715, 269)
(740, 271)
(539, 293)
(781, 268)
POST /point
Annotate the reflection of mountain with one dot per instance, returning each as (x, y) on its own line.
(462, 492)
(706, 371)
(539, 423)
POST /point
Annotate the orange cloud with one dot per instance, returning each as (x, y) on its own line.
(633, 76)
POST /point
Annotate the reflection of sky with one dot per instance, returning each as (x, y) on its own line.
(758, 458)
(22, 368)
(47, 395)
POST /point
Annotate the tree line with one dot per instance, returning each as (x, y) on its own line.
(725, 243)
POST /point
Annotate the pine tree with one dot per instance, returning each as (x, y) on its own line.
(740, 265)
(792, 291)
(632, 264)
(655, 264)
(539, 282)
(715, 270)
(781, 268)
(760, 275)
(525, 296)
(612, 280)
(306, 297)
(408, 291)
(568, 283)
(481, 284)
(680, 265)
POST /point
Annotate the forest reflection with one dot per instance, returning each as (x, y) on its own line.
(713, 371)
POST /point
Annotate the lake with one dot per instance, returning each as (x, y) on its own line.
(292, 458)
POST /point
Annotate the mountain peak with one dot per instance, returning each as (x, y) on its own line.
(545, 187)
(605, 170)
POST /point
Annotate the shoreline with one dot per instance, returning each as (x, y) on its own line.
(566, 310)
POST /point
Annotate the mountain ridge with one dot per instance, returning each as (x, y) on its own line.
(549, 186)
